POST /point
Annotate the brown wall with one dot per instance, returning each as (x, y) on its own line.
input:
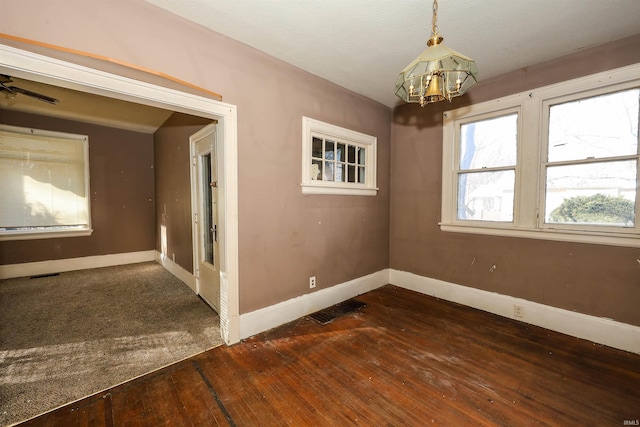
(284, 237)
(598, 280)
(121, 183)
(173, 185)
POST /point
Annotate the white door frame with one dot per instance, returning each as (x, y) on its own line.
(196, 232)
(28, 65)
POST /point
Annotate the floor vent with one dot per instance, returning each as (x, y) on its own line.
(329, 314)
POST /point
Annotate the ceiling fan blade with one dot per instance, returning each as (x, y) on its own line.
(35, 95)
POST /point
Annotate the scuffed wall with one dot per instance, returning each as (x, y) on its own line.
(122, 194)
(598, 280)
(173, 187)
(284, 237)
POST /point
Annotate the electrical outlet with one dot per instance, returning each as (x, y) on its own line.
(312, 282)
(518, 311)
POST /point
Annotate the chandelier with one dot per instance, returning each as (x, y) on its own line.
(438, 73)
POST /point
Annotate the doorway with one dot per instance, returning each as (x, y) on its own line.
(46, 69)
(204, 196)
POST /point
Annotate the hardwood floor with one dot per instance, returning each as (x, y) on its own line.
(404, 360)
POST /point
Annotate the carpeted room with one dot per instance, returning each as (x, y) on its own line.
(70, 335)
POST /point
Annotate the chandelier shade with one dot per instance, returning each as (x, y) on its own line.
(438, 73)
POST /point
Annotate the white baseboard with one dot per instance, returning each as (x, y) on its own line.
(270, 317)
(177, 271)
(70, 264)
(596, 329)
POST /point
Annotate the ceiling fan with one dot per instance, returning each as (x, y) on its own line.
(13, 90)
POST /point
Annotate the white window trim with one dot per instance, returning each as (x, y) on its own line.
(54, 233)
(311, 127)
(529, 194)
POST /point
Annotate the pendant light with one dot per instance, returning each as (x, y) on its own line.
(438, 73)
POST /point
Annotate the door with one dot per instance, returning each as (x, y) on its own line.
(206, 218)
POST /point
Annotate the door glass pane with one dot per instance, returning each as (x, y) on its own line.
(601, 193)
(600, 126)
(207, 211)
(489, 143)
(486, 196)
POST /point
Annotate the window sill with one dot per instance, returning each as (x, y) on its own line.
(33, 235)
(345, 191)
(610, 239)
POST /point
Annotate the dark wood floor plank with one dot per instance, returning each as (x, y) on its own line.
(224, 376)
(90, 411)
(127, 406)
(161, 401)
(199, 403)
(406, 360)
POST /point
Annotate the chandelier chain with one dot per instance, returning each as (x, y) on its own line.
(434, 20)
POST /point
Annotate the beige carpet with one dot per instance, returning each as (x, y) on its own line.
(72, 335)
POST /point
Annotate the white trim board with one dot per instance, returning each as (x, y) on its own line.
(275, 315)
(596, 329)
(71, 264)
(175, 269)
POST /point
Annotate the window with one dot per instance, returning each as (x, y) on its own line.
(44, 184)
(487, 164)
(337, 160)
(592, 160)
(559, 162)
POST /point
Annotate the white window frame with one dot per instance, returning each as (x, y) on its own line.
(529, 199)
(54, 232)
(311, 128)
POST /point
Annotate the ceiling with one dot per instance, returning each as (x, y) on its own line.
(84, 107)
(363, 44)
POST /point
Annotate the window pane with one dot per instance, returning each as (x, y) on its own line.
(316, 148)
(489, 143)
(361, 175)
(328, 150)
(351, 176)
(328, 171)
(316, 170)
(340, 173)
(596, 193)
(361, 156)
(486, 196)
(352, 154)
(601, 126)
(340, 154)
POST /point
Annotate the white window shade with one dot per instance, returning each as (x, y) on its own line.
(44, 185)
